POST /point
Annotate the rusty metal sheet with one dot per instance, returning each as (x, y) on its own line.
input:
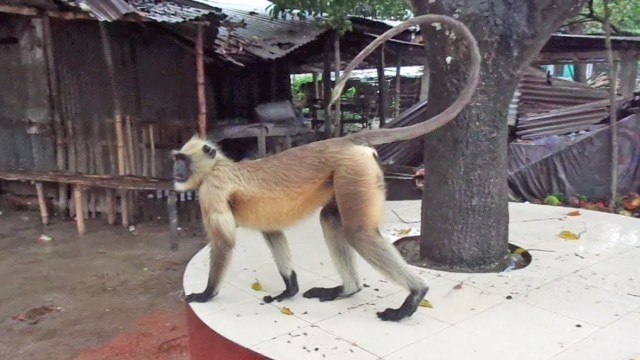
(262, 37)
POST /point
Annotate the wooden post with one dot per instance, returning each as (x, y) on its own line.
(326, 88)
(613, 107)
(424, 82)
(398, 92)
(124, 207)
(173, 220)
(78, 197)
(202, 101)
(316, 96)
(152, 144)
(44, 213)
(628, 74)
(111, 207)
(336, 63)
(54, 108)
(382, 88)
(262, 142)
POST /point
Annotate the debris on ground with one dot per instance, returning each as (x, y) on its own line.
(34, 315)
(285, 310)
(627, 205)
(425, 303)
(44, 238)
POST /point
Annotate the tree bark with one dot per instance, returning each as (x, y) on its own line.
(465, 201)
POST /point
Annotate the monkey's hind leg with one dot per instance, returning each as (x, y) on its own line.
(387, 260)
(277, 242)
(219, 261)
(341, 254)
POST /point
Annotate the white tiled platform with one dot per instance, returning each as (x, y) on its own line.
(577, 300)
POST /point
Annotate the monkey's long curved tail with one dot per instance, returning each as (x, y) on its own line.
(384, 136)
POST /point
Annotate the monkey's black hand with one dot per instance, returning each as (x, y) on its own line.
(199, 297)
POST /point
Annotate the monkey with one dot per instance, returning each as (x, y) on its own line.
(340, 176)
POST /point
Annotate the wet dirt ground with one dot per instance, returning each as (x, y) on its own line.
(110, 294)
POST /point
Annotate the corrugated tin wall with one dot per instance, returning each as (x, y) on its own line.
(156, 82)
(25, 135)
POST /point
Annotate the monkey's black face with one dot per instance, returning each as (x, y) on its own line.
(181, 168)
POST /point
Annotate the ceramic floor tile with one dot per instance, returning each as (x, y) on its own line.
(543, 332)
(615, 274)
(313, 310)
(311, 343)
(620, 340)
(456, 344)
(581, 302)
(555, 264)
(513, 284)
(268, 276)
(250, 323)
(453, 302)
(228, 296)
(362, 327)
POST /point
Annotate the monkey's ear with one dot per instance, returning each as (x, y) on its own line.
(209, 150)
(174, 153)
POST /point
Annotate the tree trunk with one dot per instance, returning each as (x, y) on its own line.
(465, 201)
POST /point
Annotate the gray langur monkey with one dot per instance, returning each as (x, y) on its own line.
(342, 176)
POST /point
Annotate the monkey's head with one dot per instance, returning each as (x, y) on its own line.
(192, 161)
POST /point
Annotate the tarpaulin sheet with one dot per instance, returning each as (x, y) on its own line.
(576, 165)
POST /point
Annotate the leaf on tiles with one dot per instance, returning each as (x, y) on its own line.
(285, 310)
(426, 303)
(519, 251)
(457, 286)
(574, 213)
(257, 286)
(568, 235)
(403, 232)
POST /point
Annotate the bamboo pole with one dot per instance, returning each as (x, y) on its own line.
(44, 213)
(131, 153)
(145, 152)
(54, 106)
(79, 202)
(152, 143)
(613, 107)
(110, 204)
(202, 102)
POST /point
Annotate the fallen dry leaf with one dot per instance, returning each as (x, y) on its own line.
(426, 303)
(285, 310)
(574, 213)
(457, 286)
(519, 251)
(257, 286)
(568, 235)
(404, 231)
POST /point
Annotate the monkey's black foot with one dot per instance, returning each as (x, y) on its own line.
(291, 289)
(199, 297)
(324, 294)
(408, 307)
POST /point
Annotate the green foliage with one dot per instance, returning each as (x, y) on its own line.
(335, 13)
(625, 16)
(299, 82)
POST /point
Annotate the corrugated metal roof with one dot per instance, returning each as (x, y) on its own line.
(262, 36)
(165, 11)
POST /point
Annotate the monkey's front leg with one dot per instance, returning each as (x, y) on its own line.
(219, 261)
(277, 243)
(220, 227)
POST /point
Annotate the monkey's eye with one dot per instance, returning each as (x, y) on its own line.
(209, 150)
